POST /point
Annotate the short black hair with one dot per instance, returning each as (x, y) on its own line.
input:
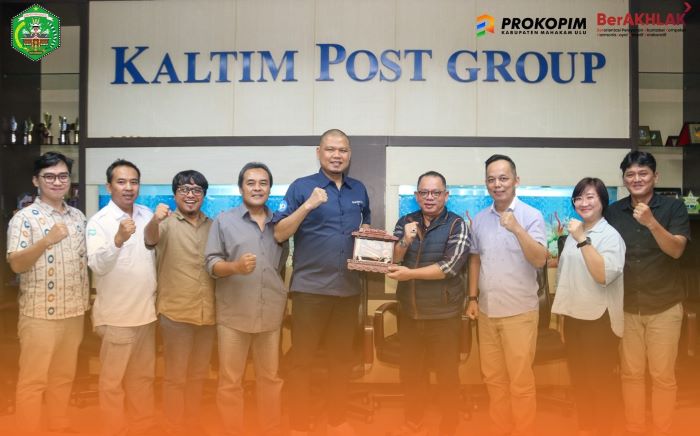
(600, 189)
(333, 132)
(496, 157)
(190, 176)
(641, 158)
(432, 174)
(252, 166)
(121, 163)
(50, 159)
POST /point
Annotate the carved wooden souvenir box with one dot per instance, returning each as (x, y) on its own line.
(373, 252)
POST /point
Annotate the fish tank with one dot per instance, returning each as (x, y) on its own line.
(218, 199)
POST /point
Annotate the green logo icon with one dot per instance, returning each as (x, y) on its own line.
(36, 32)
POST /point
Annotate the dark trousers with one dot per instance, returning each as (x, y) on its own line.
(332, 322)
(426, 345)
(592, 353)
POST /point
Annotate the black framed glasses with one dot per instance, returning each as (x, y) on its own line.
(434, 194)
(51, 177)
(195, 190)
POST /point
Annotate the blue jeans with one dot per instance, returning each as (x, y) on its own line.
(233, 354)
(127, 359)
(187, 352)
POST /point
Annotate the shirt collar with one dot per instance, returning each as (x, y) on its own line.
(118, 214)
(598, 227)
(50, 209)
(245, 213)
(511, 208)
(324, 181)
(200, 217)
(627, 202)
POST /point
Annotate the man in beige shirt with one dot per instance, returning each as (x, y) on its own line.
(46, 248)
(185, 300)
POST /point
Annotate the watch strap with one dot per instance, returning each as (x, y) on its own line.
(583, 243)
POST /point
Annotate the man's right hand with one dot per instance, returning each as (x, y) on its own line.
(57, 233)
(127, 227)
(246, 263)
(162, 212)
(410, 230)
(472, 310)
(317, 198)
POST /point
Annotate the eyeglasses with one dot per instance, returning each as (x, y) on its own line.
(434, 194)
(493, 180)
(195, 190)
(51, 177)
(588, 198)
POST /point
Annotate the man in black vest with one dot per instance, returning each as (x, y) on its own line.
(433, 246)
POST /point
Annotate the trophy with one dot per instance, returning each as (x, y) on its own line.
(76, 131)
(62, 130)
(46, 137)
(373, 252)
(13, 130)
(28, 129)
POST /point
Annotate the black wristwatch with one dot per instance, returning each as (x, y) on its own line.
(583, 243)
(473, 298)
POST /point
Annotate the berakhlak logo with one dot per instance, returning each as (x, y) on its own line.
(484, 23)
(36, 32)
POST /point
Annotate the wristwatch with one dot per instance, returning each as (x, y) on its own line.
(583, 243)
(473, 298)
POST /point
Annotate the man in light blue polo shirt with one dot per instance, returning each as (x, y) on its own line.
(508, 247)
(321, 211)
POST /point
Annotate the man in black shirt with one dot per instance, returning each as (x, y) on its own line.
(655, 230)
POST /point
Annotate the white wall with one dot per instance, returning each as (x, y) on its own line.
(438, 106)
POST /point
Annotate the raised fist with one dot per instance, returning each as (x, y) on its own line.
(410, 230)
(127, 227)
(162, 212)
(317, 197)
(246, 263)
(576, 230)
(57, 233)
(509, 222)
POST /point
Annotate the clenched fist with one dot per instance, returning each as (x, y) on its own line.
(162, 212)
(509, 222)
(642, 213)
(127, 227)
(246, 263)
(317, 197)
(57, 233)
(410, 231)
(576, 230)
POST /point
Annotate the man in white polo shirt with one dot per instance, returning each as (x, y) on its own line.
(124, 311)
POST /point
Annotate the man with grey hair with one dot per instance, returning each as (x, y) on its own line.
(247, 263)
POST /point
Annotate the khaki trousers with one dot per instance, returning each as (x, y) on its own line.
(653, 339)
(507, 349)
(48, 356)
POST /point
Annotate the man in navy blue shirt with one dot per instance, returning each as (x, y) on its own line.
(321, 211)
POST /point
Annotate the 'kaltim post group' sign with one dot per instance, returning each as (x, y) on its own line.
(533, 68)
